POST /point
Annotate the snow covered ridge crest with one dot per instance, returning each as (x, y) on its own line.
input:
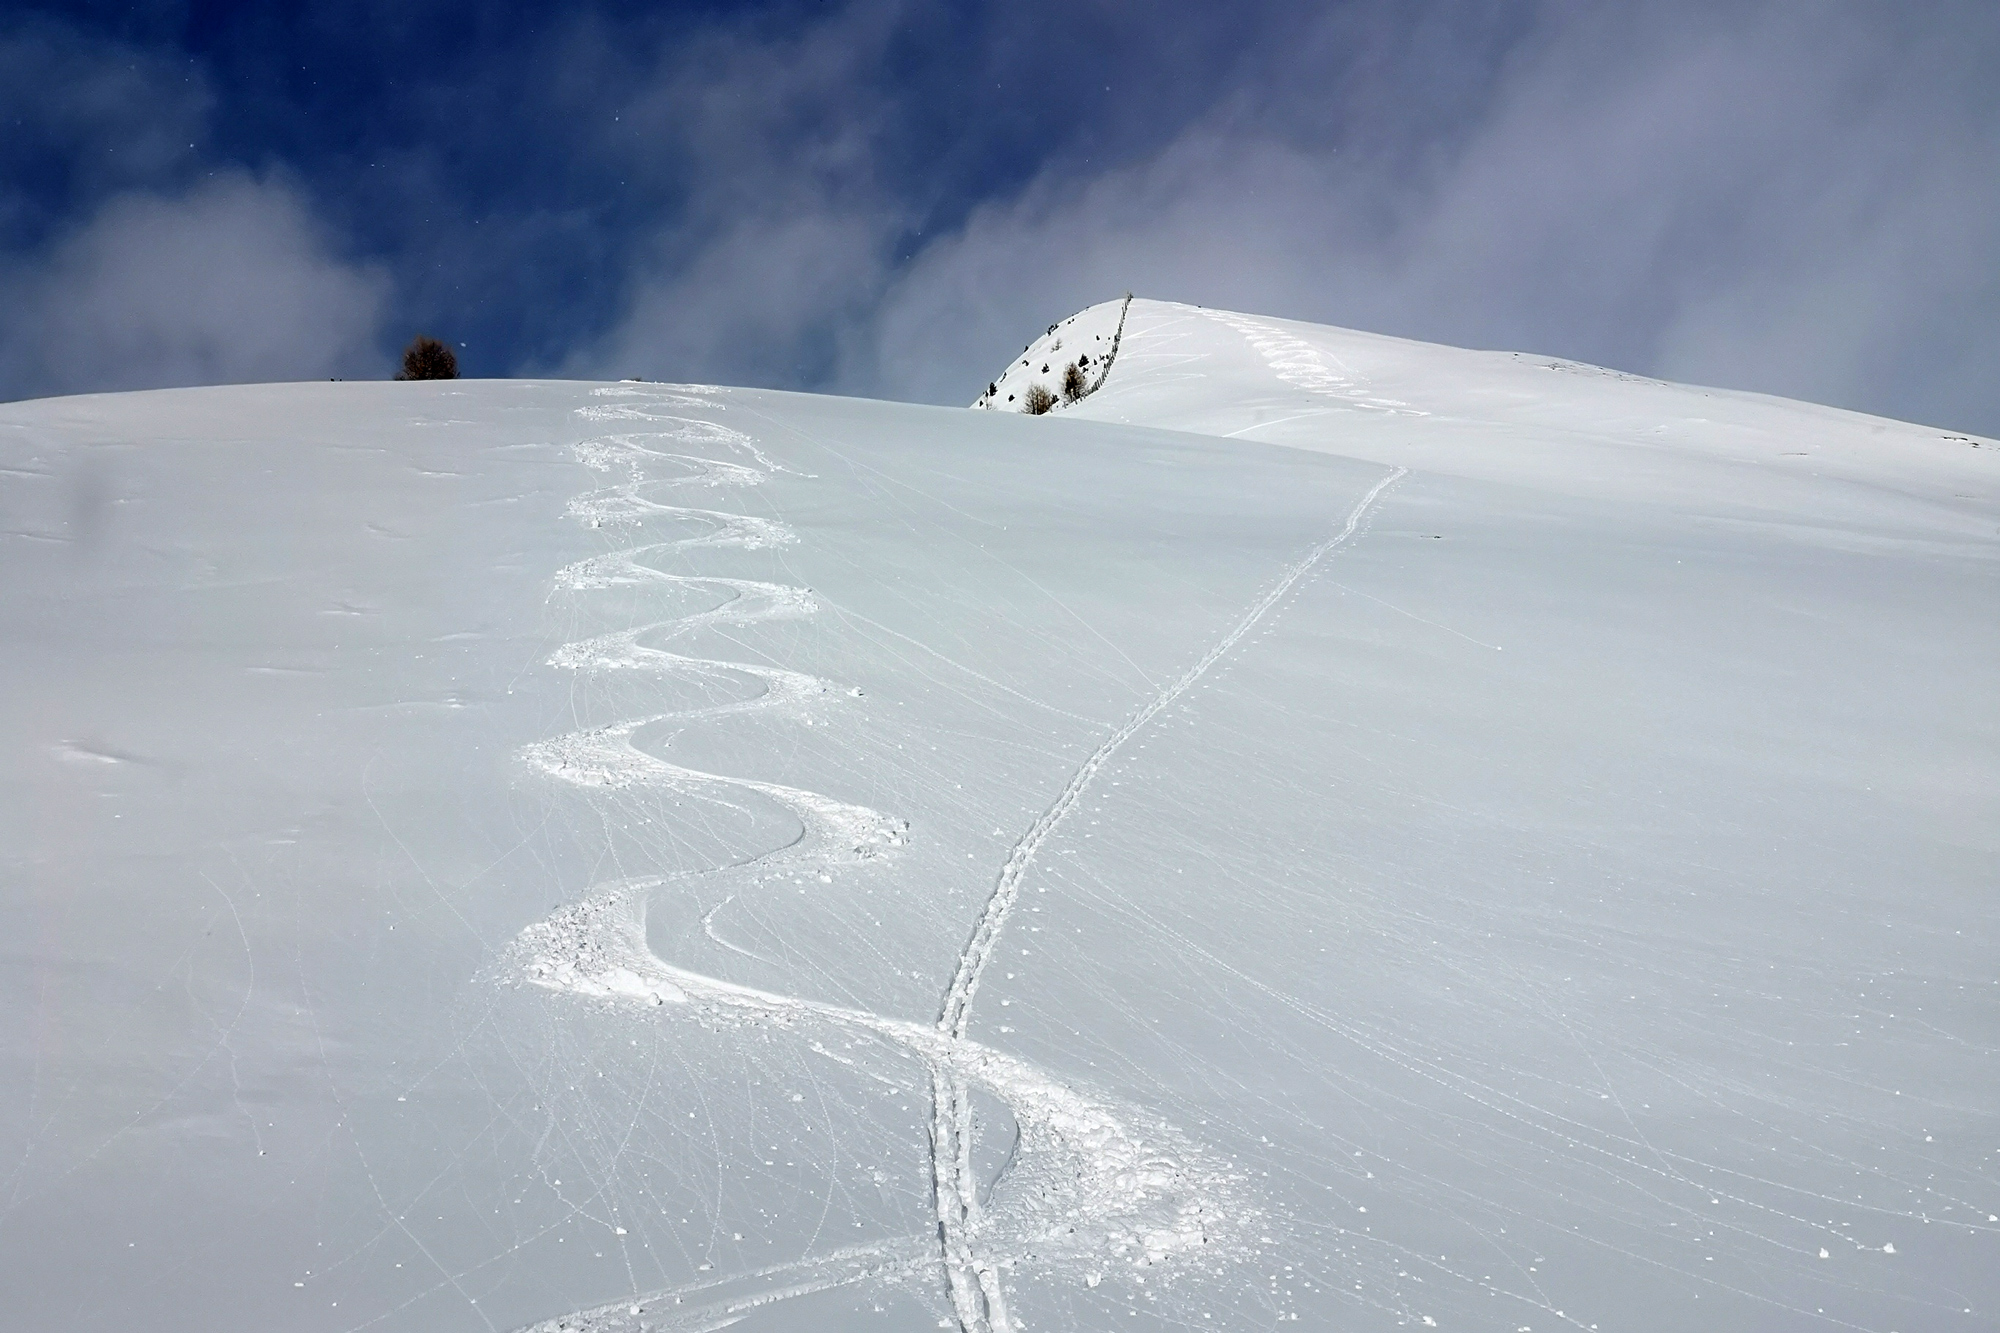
(1091, 1187)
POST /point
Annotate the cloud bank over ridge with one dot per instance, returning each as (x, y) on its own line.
(1753, 206)
(228, 283)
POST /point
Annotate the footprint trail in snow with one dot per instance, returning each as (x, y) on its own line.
(1317, 370)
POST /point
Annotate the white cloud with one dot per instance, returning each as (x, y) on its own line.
(230, 282)
(786, 238)
(747, 306)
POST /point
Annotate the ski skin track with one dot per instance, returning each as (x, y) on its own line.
(954, 1016)
(975, 1287)
(1080, 1153)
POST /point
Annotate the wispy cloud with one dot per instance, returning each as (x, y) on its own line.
(783, 238)
(128, 260)
(83, 118)
(229, 282)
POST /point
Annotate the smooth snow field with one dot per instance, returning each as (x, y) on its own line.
(1326, 832)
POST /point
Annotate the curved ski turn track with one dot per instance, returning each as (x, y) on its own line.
(1088, 1181)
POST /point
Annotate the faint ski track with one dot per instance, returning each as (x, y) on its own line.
(1085, 1180)
(667, 1311)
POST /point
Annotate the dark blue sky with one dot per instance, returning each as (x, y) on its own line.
(888, 198)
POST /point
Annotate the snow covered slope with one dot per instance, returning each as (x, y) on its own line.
(1325, 831)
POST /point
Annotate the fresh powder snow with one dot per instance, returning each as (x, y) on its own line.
(1320, 831)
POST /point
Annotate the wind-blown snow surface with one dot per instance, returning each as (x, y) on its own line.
(1433, 839)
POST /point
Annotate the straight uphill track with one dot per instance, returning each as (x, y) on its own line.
(974, 1284)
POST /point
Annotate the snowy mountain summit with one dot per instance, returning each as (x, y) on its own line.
(1049, 374)
(1312, 829)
